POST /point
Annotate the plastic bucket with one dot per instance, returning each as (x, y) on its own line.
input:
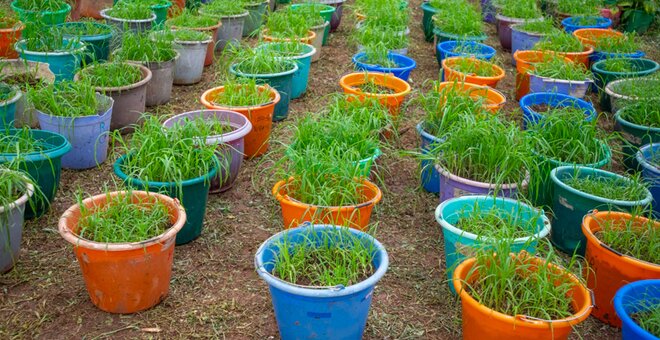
(327, 13)
(231, 29)
(488, 11)
(256, 14)
(618, 100)
(570, 206)
(282, 82)
(573, 23)
(602, 77)
(635, 136)
(11, 225)
(588, 36)
(531, 117)
(25, 114)
(160, 10)
(9, 37)
(8, 110)
(504, 29)
(573, 88)
(579, 57)
(523, 41)
(261, 118)
(524, 63)
(213, 31)
(336, 16)
(123, 25)
(454, 186)
(460, 244)
(405, 65)
(193, 194)
(159, 89)
(447, 49)
(230, 145)
(598, 55)
(494, 99)
(301, 76)
(45, 17)
(429, 175)
(189, 67)
(651, 173)
(393, 101)
(44, 167)
(325, 312)
(317, 42)
(89, 136)
(357, 216)
(451, 74)
(427, 20)
(63, 64)
(125, 277)
(98, 46)
(441, 36)
(608, 269)
(633, 298)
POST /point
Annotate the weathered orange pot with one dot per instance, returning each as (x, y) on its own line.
(481, 322)
(451, 74)
(8, 37)
(261, 118)
(609, 270)
(588, 36)
(524, 63)
(350, 82)
(305, 40)
(213, 31)
(494, 100)
(295, 212)
(125, 277)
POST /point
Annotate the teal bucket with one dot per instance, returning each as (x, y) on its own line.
(98, 46)
(570, 205)
(427, 20)
(64, 65)
(8, 110)
(192, 193)
(460, 245)
(304, 62)
(635, 136)
(255, 18)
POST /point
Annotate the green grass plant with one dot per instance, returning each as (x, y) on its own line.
(7, 19)
(579, 7)
(520, 9)
(41, 38)
(7, 92)
(368, 114)
(13, 185)
(559, 68)
(259, 61)
(503, 223)
(288, 25)
(84, 28)
(619, 189)
(392, 39)
(559, 41)
(586, 20)
(378, 55)
(649, 317)
(242, 92)
(128, 10)
(639, 88)
(642, 112)
(463, 19)
(190, 19)
(144, 48)
(537, 27)
(186, 35)
(443, 109)
(370, 86)
(627, 43)
(632, 238)
(285, 49)
(41, 5)
(473, 67)
(311, 13)
(387, 16)
(324, 258)
(222, 8)
(20, 142)
(123, 219)
(113, 74)
(619, 65)
(67, 99)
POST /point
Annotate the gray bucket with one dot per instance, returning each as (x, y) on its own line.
(189, 66)
(159, 89)
(26, 115)
(318, 40)
(231, 30)
(256, 14)
(11, 230)
(123, 25)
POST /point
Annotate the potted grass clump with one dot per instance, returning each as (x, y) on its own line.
(42, 44)
(267, 66)
(576, 8)
(126, 268)
(525, 36)
(256, 102)
(288, 26)
(321, 279)
(515, 12)
(578, 190)
(256, 14)
(525, 61)
(127, 16)
(638, 306)
(74, 110)
(159, 7)
(158, 55)
(471, 49)
(648, 158)
(609, 70)
(461, 22)
(491, 99)
(49, 12)
(226, 130)
(537, 106)
(299, 53)
(471, 222)
(621, 248)
(324, 188)
(126, 84)
(388, 89)
(25, 74)
(15, 191)
(623, 92)
(561, 76)
(9, 96)
(562, 137)
(392, 39)
(191, 47)
(482, 156)
(231, 15)
(318, 19)
(39, 154)
(472, 70)
(520, 295)
(10, 33)
(174, 161)
(565, 45)
(378, 59)
(196, 22)
(96, 36)
(609, 44)
(639, 123)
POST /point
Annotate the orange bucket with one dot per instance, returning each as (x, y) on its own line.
(481, 322)
(495, 100)
(578, 57)
(357, 216)
(213, 30)
(452, 74)
(524, 64)
(588, 36)
(393, 101)
(305, 40)
(609, 270)
(125, 277)
(8, 37)
(261, 118)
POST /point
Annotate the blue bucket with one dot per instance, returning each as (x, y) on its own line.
(523, 41)
(446, 50)
(88, 135)
(573, 88)
(650, 173)
(405, 65)
(8, 110)
(64, 65)
(599, 55)
(555, 100)
(282, 82)
(459, 244)
(572, 24)
(631, 299)
(324, 313)
(429, 175)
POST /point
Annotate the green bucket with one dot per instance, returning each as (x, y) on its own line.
(326, 12)
(569, 206)
(98, 46)
(427, 20)
(255, 18)
(635, 137)
(161, 14)
(192, 193)
(602, 77)
(46, 17)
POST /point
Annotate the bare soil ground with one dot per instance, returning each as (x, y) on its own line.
(215, 292)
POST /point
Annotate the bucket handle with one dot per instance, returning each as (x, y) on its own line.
(332, 288)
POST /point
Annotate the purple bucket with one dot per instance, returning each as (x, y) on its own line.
(504, 29)
(88, 135)
(488, 11)
(573, 88)
(452, 186)
(336, 16)
(230, 145)
(523, 41)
